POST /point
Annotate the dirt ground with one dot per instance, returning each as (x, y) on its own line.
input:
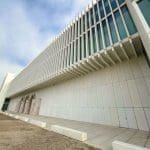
(18, 135)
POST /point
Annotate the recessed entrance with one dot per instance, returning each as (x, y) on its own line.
(5, 105)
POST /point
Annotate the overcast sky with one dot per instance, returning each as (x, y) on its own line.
(27, 26)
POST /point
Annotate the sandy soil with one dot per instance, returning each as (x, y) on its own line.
(18, 135)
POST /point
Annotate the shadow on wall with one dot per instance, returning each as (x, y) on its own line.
(29, 104)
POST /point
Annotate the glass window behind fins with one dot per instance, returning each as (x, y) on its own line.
(113, 4)
(88, 24)
(145, 8)
(89, 43)
(76, 50)
(100, 42)
(129, 21)
(101, 9)
(96, 13)
(94, 40)
(120, 25)
(107, 8)
(77, 29)
(84, 42)
(72, 52)
(69, 54)
(112, 29)
(80, 26)
(74, 32)
(80, 48)
(92, 17)
(66, 57)
(120, 1)
(83, 23)
(71, 34)
(106, 36)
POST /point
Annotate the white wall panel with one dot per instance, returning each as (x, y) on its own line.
(147, 111)
(143, 92)
(118, 96)
(122, 118)
(141, 119)
(13, 104)
(127, 72)
(134, 93)
(132, 123)
(119, 100)
(136, 69)
(107, 116)
(96, 98)
(114, 116)
(126, 98)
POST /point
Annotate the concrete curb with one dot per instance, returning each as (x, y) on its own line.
(10, 115)
(75, 134)
(23, 118)
(37, 123)
(2, 112)
(31, 121)
(117, 145)
(16, 117)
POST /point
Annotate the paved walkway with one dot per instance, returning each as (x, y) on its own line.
(100, 136)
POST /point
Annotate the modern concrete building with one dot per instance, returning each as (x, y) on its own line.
(3, 91)
(96, 70)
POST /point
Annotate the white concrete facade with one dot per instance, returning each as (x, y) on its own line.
(4, 87)
(96, 70)
(141, 23)
(117, 96)
(87, 44)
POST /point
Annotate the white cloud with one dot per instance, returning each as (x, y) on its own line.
(20, 36)
(20, 40)
(76, 7)
(6, 67)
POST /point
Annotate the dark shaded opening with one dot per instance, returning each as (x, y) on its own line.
(6, 104)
